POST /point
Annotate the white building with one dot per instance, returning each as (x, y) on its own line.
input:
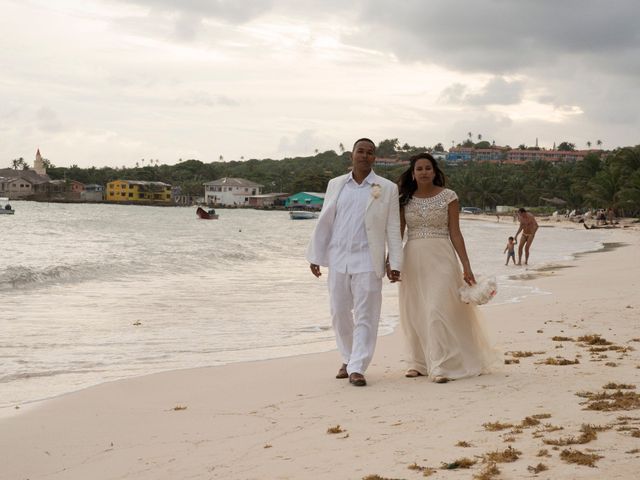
(24, 182)
(15, 187)
(230, 191)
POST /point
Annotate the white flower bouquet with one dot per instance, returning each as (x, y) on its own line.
(480, 293)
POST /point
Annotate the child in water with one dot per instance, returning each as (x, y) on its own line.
(511, 249)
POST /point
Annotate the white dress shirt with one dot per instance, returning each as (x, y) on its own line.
(349, 248)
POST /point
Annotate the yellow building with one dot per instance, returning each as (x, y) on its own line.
(137, 191)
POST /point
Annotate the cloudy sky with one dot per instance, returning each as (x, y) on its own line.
(111, 82)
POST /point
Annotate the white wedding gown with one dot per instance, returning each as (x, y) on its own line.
(444, 335)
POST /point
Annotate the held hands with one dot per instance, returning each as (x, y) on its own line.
(392, 275)
(315, 269)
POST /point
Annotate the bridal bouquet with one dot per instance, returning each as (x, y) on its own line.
(480, 293)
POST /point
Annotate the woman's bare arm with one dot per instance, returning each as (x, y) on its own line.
(458, 242)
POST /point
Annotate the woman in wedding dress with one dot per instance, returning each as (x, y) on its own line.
(444, 335)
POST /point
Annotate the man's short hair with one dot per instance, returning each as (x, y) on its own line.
(364, 140)
(522, 210)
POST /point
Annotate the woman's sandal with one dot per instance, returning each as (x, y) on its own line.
(441, 379)
(413, 373)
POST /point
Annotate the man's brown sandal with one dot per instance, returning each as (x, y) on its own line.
(342, 373)
(357, 380)
(413, 373)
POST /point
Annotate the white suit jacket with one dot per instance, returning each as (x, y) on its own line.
(382, 223)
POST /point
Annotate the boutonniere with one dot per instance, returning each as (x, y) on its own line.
(375, 190)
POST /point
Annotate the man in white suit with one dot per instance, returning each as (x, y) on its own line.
(359, 217)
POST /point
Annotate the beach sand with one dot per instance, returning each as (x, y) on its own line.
(270, 419)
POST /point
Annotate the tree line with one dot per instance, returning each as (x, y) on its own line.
(601, 180)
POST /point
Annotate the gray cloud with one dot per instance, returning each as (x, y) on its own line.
(47, 120)
(454, 93)
(206, 100)
(303, 143)
(232, 11)
(500, 36)
(496, 91)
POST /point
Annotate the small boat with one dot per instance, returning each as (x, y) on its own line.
(206, 214)
(302, 214)
(5, 207)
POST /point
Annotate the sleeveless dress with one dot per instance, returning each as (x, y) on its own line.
(444, 335)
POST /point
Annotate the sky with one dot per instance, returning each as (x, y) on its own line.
(115, 82)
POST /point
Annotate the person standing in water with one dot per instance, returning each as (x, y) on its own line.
(528, 227)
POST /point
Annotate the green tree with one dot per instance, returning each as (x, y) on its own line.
(566, 147)
(18, 163)
(605, 187)
(629, 198)
(387, 148)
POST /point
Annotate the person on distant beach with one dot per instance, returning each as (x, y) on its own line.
(528, 227)
(610, 216)
(510, 250)
(444, 336)
(360, 215)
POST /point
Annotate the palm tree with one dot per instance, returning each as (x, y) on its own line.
(605, 188)
(470, 135)
(628, 158)
(464, 183)
(485, 194)
(588, 144)
(221, 158)
(513, 189)
(17, 163)
(479, 136)
(630, 195)
(599, 143)
(341, 147)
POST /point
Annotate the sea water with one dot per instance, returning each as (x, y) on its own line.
(93, 293)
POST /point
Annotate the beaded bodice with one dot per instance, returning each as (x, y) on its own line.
(429, 217)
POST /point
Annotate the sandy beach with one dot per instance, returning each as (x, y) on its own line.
(272, 419)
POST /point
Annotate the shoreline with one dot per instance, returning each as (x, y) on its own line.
(269, 418)
(522, 274)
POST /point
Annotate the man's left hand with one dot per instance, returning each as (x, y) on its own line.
(393, 275)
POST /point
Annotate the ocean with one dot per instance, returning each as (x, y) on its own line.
(93, 293)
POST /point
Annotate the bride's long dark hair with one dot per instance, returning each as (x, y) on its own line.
(407, 185)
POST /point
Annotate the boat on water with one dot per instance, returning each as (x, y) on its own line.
(206, 214)
(302, 214)
(5, 207)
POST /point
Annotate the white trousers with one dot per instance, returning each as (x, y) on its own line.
(356, 300)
